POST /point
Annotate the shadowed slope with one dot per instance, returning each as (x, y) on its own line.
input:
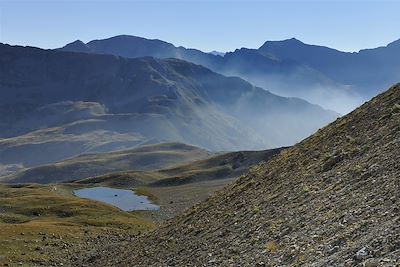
(150, 157)
(131, 101)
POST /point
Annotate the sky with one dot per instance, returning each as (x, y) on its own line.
(207, 25)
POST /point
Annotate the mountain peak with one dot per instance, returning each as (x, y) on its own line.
(124, 38)
(293, 39)
(286, 42)
(76, 46)
(77, 42)
(217, 53)
(394, 43)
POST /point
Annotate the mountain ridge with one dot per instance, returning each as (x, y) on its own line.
(108, 102)
(280, 76)
(353, 68)
(289, 67)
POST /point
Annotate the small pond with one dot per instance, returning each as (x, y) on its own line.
(126, 200)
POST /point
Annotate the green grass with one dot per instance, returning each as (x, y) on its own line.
(144, 192)
(35, 219)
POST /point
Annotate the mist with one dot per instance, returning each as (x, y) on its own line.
(330, 96)
(340, 99)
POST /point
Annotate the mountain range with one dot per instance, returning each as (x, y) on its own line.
(163, 124)
(368, 70)
(123, 92)
(58, 104)
(333, 79)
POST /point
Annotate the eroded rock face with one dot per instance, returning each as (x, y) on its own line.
(290, 211)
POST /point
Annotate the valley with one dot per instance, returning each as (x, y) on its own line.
(330, 200)
(121, 149)
(324, 191)
(47, 223)
(105, 103)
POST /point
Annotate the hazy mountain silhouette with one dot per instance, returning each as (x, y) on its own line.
(285, 77)
(369, 71)
(334, 79)
(104, 102)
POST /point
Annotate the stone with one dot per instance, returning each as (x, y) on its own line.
(362, 253)
(371, 263)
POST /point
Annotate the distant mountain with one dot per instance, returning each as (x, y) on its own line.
(333, 79)
(368, 71)
(57, 105)
(217, 53)
(133, 47)
(285, 77)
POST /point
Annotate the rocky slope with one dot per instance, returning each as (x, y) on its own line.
(331, 200)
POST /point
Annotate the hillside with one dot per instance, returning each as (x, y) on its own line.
(41, 224)
(229, 165)
(56, 105)
(179, 188)
(44, 223)
(223, 166)
(144, 158)
(330, 200)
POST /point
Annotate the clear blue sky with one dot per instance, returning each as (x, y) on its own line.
(207, 25)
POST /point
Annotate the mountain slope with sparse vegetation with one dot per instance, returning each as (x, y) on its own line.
(331, 200)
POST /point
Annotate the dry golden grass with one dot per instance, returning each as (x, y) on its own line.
(40, 223)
